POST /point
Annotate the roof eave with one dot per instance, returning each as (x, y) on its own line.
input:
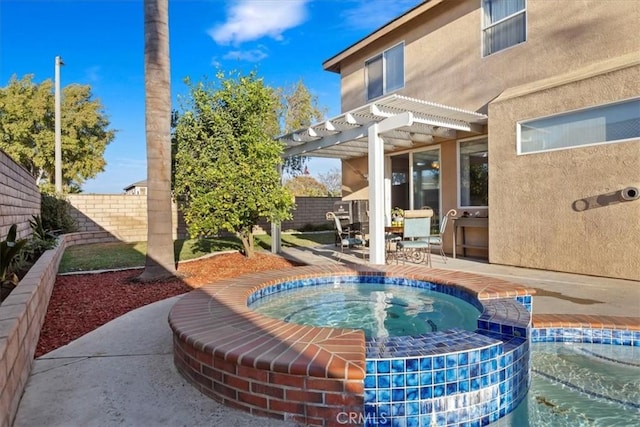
(333, 64)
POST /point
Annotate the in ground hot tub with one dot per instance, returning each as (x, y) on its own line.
(322, 376)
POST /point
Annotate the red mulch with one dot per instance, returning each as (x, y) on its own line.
(81, 303)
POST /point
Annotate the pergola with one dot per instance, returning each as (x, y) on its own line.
(389, 124)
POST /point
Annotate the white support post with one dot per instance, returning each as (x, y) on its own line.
(376, 183)
(276, 239)
(376, 196)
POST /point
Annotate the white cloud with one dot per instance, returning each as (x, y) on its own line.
(251, 20)
(92, 74)
(253, 55)
(372, 14)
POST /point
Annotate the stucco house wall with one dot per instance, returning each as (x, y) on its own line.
(443, 50)
(444, 64)
(559, 210)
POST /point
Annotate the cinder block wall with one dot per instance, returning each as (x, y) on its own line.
(21, 318)
(309, 210)
(19, 197)
(122, 215)
(125, 216)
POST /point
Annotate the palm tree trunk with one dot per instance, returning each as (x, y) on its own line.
(160, 262)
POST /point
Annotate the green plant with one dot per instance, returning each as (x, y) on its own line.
(9, 254)
(37, 228)
(55, 214)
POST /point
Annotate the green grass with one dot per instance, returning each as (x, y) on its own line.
(298, 239)
(100, 256)
(103, 256)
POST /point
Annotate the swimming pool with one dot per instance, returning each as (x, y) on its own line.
(580, 384)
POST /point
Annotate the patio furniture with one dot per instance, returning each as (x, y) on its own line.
(467, 222)
(436, 240)
(417, 227)
(392, 235)
(345, 237)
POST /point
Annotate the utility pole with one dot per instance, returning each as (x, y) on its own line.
(58, 129)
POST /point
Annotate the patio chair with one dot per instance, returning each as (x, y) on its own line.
(345, 237)
(436, 240)
(417, 227)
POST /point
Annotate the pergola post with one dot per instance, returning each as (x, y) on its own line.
(376, 196)
(276, 238)
(376, 182)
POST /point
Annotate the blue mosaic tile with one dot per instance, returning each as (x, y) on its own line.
(384, 395)
(438, 390)
(398, 395)
(383, 366)
(412, 379)
(425, 368)
(370, 396)
(397, 365)
(426, 378)
(370, 381)
(463, 373)
(384, 381)
(426, 392)
(398, 409)
(412, 365)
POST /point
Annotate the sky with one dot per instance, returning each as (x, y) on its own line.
(101, 43)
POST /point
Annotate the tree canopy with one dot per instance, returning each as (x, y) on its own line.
(27, 130)
(298, 109)
(226, 161)
(305, 185)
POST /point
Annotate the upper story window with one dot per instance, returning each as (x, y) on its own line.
(503, 24)
(597, 125)
(385, 72)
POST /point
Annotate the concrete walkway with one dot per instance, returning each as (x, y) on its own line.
(123, 374)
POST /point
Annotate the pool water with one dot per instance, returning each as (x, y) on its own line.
(380, 310)
(576, 384)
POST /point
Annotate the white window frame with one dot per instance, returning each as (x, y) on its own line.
(382, 55)
(485, 27)
(519, 125)
(459, 183)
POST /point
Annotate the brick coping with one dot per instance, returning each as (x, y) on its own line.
(585, 321)
(215, 319)
(293, 372)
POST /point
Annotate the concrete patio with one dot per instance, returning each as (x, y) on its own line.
(123, 373)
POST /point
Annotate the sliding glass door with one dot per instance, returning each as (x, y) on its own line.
(415, 181)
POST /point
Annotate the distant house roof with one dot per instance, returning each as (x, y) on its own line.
(142, 183)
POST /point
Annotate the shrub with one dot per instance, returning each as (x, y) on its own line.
(55, 214)
(10, 259)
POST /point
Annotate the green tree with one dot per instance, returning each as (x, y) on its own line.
(226, 158)
(27, 130)
(298, 109)
(160, 261)
(305, 185)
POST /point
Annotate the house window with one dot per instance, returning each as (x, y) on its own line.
(598, 125)
(385, 72)
(503, 24)
(473, 163)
